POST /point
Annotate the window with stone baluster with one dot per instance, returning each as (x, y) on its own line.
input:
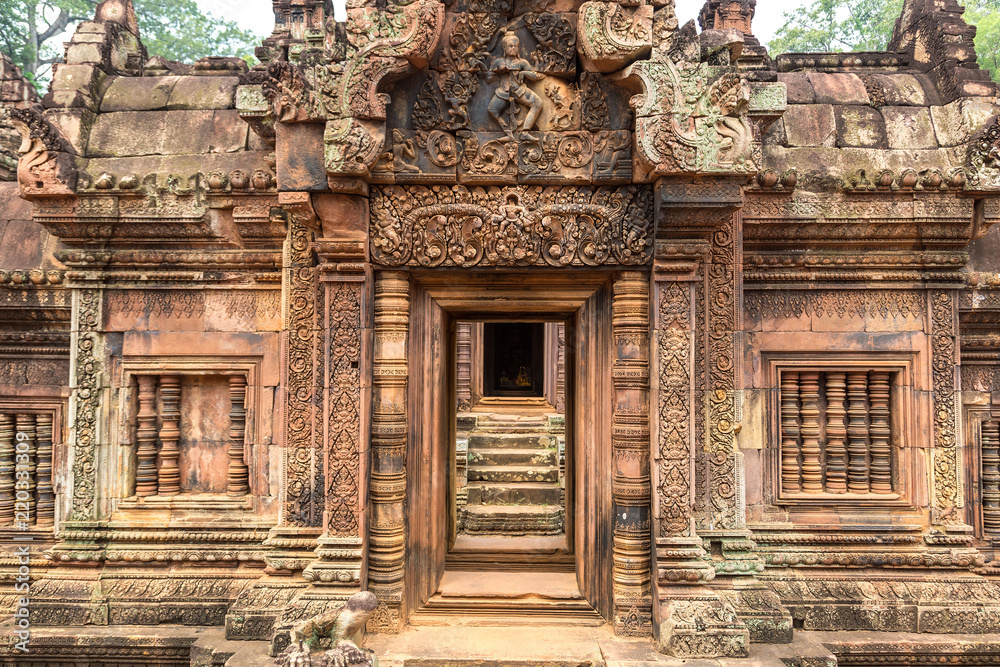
(29, 434)
(190, 437)
(840, 431)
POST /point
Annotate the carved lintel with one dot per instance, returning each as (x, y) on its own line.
(468, 227)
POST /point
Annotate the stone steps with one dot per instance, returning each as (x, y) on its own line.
(513, 493)
(532, 440)
(509, 457)
(520, 473)
(514, 519)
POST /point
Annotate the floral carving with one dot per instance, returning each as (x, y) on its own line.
(867, 304)
(86, 404)
(674, 408)
(342, 499)
(303, 470)
(553, 226)
(943, 360)
(556, 51)
(984, 157)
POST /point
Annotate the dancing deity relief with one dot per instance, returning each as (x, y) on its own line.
(512, 70)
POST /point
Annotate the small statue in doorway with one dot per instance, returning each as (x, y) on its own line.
(513, 92)
(341, 625)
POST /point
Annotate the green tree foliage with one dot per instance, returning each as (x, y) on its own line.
(866, 25)
(32, 31)
(985, 15)
(837, 25)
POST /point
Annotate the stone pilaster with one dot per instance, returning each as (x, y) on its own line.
(692, 209)
(690, 618)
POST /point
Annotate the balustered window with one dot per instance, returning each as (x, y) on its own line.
(27, 499)
(836, 433)
(989, 478)
(182, 444)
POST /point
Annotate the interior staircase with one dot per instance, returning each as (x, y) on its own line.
(515, 483)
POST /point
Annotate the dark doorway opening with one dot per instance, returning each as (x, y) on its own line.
(513, 359)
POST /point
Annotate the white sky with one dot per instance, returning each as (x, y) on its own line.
(256, 15)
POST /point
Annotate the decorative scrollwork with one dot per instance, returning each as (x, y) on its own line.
(553, 226)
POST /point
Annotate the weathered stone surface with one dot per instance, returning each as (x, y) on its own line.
(143, 94)
(860, 127)
(299, 157)
(955, 123)
(135, 133)
(810, 125)
(204, 92)
(800, 88)
(909, 128)
(838, 88)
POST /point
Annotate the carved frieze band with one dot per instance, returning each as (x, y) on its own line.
(511, 226)
(944, 358)
(860, 304)
(86, 401)
(630, 453)
(194, 303)
(387, 529)
(304, 482)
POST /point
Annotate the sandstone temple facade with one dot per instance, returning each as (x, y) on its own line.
(677, 342)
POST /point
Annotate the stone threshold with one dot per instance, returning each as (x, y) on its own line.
(496, 646)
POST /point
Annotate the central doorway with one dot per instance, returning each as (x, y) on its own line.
(510, 443)
(509, 516)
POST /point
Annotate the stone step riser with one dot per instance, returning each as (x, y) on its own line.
(510, 457)
(513, 474)
(507, 495)
(512, 441)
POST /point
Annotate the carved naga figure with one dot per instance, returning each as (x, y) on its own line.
(341, 625)
(512, 70)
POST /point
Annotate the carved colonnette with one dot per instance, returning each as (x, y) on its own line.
(387, 490)
(630, 455)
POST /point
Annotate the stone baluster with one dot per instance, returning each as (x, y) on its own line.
(238, 474)
(881, 470)
(561, 367)
(790, 432)
(630, 486)
(170, 474)
(25, 439)
(463, 374)
(991, 475)
(387, 546)
(857, 432)
(812, 471)
(46, 506)
(836, 433)
(6, 469)
(145, 437)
